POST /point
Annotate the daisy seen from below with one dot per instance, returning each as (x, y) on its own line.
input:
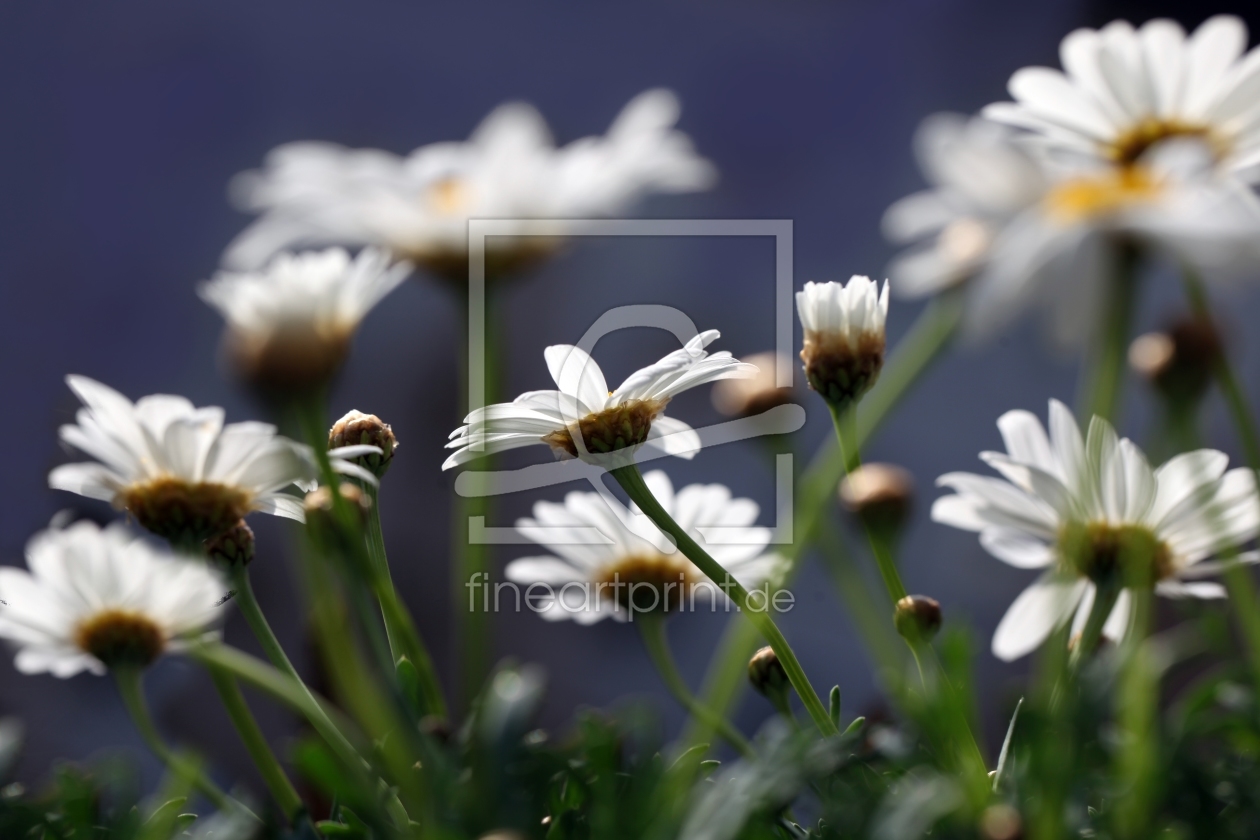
(289, 325)
(843, 349)
(98, 598)
(584, 419)
(1092, 514)
(1123, 90)
(419, 205)
(179, 470)
(607, 561)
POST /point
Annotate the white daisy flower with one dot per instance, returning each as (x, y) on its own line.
(979, 180)
(1124, 90)
(1084, 508)
(584, 419)
(98, 598)
(608, 561)
(290, 324)
(419, 206)
(178, 469)
(843, 350)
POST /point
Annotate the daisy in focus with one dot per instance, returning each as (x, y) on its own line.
(96, 599)
(419, 206)
(608, 561)
(584, 419)
(1123, 90)
(290, 324)
(1085, 509)
(179, 470)
(843, 350)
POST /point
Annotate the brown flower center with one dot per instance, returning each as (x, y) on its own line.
(1130, 146)
(289, 359)
(1121, 554)
(619, 427)
(184, 512)
(648, 582)
(840, 371)
(120, 637)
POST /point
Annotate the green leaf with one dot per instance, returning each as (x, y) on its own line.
(835, 706)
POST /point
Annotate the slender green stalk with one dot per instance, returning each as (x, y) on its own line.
(247, 602)
(1138, 759)
(1106, 379)
(652, 629)
(1091, 636)
(132, 691)
(404, 638)
(632, 482)
(265, 760)
(930, 334)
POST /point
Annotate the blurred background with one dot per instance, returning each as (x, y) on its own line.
(125, 121)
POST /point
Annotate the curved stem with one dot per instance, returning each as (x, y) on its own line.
(132, 691)
(930, 334)
(247, 603)
(265, 760)
(632, 482)
(1106, 379)
(652, 629)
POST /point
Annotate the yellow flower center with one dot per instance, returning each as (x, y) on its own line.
(619, 427)
(449, 196)
(120, 637)
(1128, 148)
(1082, 199)
(186, 513)
(1104, 552)
(649, 582)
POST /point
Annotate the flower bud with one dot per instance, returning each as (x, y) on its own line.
(766, 673)
(879, 495)
(1001, 822)
(917, 617)
(1178, 362)
(234, 546)
(757, 394)
(318, 506)
(844, 337)
(357, 428)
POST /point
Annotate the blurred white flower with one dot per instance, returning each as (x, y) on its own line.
(584, 419)
(98, 598)
(1083, 508)
(290, 324)
(1025, 230)
(979, 181)
(178, 469)
(843, 349)
(419, 206)
(606, 558)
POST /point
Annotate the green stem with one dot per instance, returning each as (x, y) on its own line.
(404, 638)
(931, 333)
(1105, 596)
(652, 629)
(1106, 380)
(632, 482)
(255, 743)
(132, 691)
(247, 603)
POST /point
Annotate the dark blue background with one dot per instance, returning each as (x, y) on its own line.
(124, 121)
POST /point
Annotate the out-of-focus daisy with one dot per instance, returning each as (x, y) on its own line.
(419, 206)
(1084, 509)
(844, 337)
(746, 397)
(98, 598)
(178, 469)
(607, 561)
(1124, 90)
(979, 180)
(584, 419)
(290, 324)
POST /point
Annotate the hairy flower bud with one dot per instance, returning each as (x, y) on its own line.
(757, 394)
(233, 546)
(917, 617)
(766, 673)
(357, 428)
(879, 495)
